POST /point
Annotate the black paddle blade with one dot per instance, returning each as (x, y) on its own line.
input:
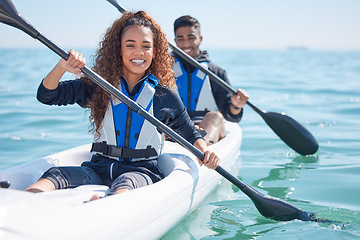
(275, 208)
(10, 16)
(267, 206)
(291, 132)
(4, 184)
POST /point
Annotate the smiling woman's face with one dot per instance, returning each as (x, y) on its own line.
(137, 51)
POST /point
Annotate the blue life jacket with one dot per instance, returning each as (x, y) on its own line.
(194, 90)
(124, 133)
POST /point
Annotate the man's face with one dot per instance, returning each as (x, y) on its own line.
(188, 39)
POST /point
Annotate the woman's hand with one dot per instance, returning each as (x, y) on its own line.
(75, 62)
(211, 160)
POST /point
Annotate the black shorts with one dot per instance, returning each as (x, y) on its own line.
(105, 171)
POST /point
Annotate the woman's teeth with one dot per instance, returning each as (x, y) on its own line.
(138, 61)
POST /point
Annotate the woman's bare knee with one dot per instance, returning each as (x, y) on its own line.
(43, 185)
(121, 190)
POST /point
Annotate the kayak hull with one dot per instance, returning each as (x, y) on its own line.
(144, 213)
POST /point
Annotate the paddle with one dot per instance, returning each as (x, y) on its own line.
(4, 184)
(290, 131)
(267, 206)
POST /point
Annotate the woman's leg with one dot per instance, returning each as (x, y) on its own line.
(65, 177)
(122, 190)
(43, 185)
(126, 182)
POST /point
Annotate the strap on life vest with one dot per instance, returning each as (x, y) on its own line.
(198, 113)
(122, 152)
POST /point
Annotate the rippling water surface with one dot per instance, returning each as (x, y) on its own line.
(321, 90)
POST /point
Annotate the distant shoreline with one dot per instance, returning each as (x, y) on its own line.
(297, 48)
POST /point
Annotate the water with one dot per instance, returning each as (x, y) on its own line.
(321, 90)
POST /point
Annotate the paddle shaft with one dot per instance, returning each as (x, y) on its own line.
(123, 98)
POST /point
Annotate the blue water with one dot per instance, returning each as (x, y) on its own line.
(321, 90)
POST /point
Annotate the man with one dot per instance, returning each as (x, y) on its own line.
(206, 101)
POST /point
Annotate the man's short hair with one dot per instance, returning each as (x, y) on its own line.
(186, 21)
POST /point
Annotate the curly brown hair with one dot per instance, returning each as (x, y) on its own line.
(108, 61)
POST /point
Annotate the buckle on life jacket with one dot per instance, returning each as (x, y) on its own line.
(198, 113)
(122, 152)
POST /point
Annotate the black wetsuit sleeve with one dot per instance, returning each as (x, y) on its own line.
(222, 97)
(67, 92)
(169, 109)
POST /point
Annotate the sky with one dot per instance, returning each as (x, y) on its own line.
(234, 24)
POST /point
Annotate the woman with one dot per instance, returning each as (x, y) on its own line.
(133, 57)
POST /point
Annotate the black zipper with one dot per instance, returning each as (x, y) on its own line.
(128, 125)
(189, 88)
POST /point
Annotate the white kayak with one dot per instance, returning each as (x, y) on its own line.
(144, 213)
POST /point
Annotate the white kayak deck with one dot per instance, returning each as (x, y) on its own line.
(144, 213)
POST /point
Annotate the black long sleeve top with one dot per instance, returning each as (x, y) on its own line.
(167, 106)
(221, 96)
